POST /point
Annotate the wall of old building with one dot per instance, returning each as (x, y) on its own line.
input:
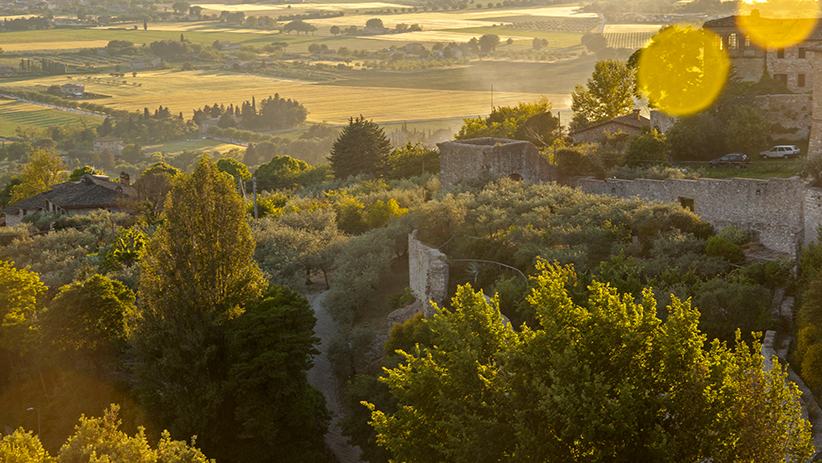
(428, 273)
(789, 116)
(772, 209)
(500, 157)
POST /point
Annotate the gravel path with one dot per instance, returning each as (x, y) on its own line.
(321, 377)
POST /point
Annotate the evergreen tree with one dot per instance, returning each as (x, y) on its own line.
(361, 148)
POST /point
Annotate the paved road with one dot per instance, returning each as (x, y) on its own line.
(321, 377)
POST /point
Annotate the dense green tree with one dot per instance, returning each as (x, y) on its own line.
(90, 316)
(195, 276)
(154, 185)
(80, 171)
(5, 193)
(280, 172)
(277, 411)
(361, 148)
(604, 381)
(20, 292)
(525, 121)
(43, 170)
(235, 168)
(747, 131)
(608, 93)
(23, 447)
(696, 138)
(649, 147)
(409, 160)
(100, 439)
(488, 42)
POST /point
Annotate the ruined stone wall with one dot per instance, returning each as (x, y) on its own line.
(789, 116)
(771, 209)
(815, 141)
(428, 273)
(812, 213)
(496, 156)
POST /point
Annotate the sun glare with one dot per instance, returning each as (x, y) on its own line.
(683, 70)
(777, 23)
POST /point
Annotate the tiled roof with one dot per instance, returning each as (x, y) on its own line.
(35, 202)
(634, 120)
(88, 192)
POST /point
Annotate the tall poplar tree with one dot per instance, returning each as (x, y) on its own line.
(195, 276)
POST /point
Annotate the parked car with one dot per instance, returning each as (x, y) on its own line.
(737, 160)
(781, 151)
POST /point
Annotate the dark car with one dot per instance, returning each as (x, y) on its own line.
(737, 160)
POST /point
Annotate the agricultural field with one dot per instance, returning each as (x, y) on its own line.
(15, 114)
(186, 90)
(630, 40)
(203, 145)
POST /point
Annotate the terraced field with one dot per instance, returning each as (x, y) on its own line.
(630, 40)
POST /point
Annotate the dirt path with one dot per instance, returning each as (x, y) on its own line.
(321, 377)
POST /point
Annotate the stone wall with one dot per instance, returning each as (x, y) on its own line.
(772, 209)
(815, 141)
(428, 273)
(473, 158)
(793, 112)
(812, 213)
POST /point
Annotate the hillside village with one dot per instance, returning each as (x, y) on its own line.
(526, 287)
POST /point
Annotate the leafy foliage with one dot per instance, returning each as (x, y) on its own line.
(608, 381)
(43, 170)
(608, 93)
(526, 121)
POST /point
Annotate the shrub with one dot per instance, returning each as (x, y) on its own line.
(721, 247)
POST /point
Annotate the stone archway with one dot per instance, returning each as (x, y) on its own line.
(516, 177)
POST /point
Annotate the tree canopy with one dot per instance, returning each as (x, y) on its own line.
(43, 170)
(606, 381)
(608, 93)
(361, 148)
(525, 121)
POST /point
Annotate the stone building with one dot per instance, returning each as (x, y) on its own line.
(792, 65)
(516, 159)
(113, 144)
(73, 89)
(632, 124)
(90, 193)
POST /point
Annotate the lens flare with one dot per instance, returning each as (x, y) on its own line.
(777, 23)
(683, 70)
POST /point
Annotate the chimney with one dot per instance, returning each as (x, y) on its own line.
(124, 179)
(636, 112)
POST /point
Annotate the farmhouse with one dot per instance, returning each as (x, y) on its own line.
(73, 89)
(632, 124)
(110, 143)
(90, 193)
(792, 65)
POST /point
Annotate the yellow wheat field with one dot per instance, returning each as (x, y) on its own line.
(185, 91)
(30, 46)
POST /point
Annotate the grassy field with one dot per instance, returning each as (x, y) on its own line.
(15, 114)
(537, 78)
(185, 91)
(555, 39)
(192, 145)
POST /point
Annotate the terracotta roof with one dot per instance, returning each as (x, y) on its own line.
(88, 192)
(633, 120)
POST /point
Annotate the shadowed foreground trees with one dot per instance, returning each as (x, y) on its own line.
(212, 358)
(604, 382)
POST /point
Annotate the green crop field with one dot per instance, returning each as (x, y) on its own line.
(15, 114)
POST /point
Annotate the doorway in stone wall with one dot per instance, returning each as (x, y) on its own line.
(686, 203)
